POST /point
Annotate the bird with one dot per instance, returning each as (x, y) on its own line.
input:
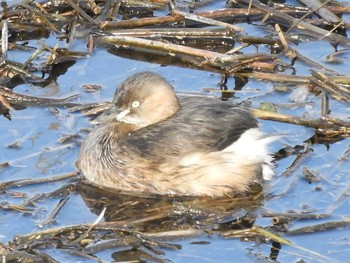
(151, 140)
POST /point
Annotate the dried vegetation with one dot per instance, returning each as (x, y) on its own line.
(209, 41)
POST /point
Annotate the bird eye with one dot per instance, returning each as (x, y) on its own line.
(135, 104)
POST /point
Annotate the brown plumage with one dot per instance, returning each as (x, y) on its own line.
(150, 140)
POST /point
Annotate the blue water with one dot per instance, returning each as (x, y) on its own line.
(40, 155)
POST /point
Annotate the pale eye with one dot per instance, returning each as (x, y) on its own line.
(135, 104)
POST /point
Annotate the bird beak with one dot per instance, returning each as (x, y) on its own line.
(110, 115)
(121, 115)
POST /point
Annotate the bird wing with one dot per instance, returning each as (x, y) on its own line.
(200, 125)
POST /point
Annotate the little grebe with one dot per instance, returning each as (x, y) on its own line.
(150, 140)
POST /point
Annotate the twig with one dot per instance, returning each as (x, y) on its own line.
(301, 25)
(238, 14)
(322, 10)
(25, 182)
(62, 191)
(21, 256)
(181, 33)
(82, 13)
(54, 212)
(320, 227)
(325, 111)
(205, 20)
(323, 125)
(209, 57)
(26, 100)
(17, 208)
(299, 158)
(282, 78)
(13, 66)
(43, 17)
(4, 39)
(256, 230)
(296, 216)
(337, 91)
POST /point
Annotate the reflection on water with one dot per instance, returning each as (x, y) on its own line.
(169, 218)
(160, 213)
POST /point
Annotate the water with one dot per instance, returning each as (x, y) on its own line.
(36, 132)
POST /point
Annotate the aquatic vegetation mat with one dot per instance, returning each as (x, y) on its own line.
(257, 44)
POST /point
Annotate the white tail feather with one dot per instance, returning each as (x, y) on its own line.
(252, 147)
